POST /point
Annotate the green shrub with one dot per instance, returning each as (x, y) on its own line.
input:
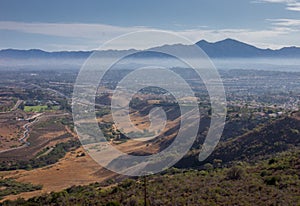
(272, 161)
(208, 167)
(235, 173)
(113, 203)
(263, 173)
(274, 180)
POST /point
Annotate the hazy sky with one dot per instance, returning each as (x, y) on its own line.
(84, 25)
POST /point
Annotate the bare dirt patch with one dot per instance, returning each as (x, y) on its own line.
(73, 169)
(11, 129)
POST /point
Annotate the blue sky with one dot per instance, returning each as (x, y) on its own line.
(84, 25)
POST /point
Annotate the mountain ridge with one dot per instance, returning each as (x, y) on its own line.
(227, 48)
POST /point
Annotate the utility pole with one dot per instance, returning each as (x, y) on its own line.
(145, 190)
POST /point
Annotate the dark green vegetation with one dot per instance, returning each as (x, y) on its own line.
(11, 187)
(41, 160)
(276, 136)
(259, 143)
(270, 182)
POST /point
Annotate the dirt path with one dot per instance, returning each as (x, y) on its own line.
(15, 107)
(19, 102)
(23, 139)
(26, 145)
(71, 132)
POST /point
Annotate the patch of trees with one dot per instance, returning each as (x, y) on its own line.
(58, 152)
(11, 187)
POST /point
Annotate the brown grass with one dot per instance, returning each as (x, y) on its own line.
(71, 170)
(11, 129)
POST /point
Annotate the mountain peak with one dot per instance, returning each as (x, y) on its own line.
(229, 48)
(230, 40)
(202, 42)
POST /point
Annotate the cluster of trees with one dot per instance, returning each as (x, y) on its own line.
(58, 152)
(12, 187)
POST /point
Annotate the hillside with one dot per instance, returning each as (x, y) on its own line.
(261, 142)
(270, 182)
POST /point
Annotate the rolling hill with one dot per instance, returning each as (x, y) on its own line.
(262, 142)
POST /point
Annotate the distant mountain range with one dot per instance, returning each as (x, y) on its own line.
(228, 48)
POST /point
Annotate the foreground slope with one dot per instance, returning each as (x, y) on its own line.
(269, 182)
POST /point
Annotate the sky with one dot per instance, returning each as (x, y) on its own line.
(85, 25)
